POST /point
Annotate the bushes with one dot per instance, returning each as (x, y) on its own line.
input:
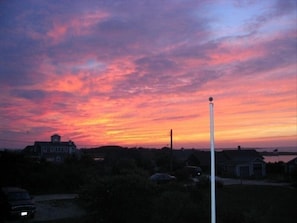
(177, 207)
(43, 177)
(125, 198)
(133, 198)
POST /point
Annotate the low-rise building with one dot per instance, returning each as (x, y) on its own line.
(54, 150)
(242, 163)
(291, 166)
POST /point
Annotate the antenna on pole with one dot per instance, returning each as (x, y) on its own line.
(212, 159)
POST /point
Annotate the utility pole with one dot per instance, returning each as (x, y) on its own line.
(171, 150)
(212, 159)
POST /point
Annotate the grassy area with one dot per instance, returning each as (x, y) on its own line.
(252, 204)
(244, 204)
(69, 220)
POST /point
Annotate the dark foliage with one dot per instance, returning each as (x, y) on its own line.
(275, 168)
(123, 198)
(42, 177)
(133, 198)
(118, 189)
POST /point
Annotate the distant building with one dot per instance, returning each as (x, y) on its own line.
(53, 151)
(242, 163)
(291, 166)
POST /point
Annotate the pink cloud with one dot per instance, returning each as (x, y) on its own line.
(77, 25)
(126, 73)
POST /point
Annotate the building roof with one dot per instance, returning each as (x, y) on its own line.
(42, 143)
(292, 161)
(241, 156)
(56, 135)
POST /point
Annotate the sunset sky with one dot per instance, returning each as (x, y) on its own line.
(125, 72)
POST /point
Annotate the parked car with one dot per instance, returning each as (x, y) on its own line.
(162, 178)
(16, 203)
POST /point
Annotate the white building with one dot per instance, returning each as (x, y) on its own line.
(53, 151)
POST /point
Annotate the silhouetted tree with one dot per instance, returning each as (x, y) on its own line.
(125, 198)
(193, 160)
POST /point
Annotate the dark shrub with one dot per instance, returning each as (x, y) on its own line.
(125, 198)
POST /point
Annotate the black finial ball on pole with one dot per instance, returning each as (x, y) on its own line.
(210, 99)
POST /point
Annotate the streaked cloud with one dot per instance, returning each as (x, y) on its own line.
(126, 72)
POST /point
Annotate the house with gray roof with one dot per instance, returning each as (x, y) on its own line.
(243, 163)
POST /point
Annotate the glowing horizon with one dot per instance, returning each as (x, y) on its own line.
(125, 73)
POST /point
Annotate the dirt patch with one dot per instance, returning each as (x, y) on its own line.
(53, 207)
(57, 209)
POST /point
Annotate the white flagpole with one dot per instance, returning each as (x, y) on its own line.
(212, 160)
